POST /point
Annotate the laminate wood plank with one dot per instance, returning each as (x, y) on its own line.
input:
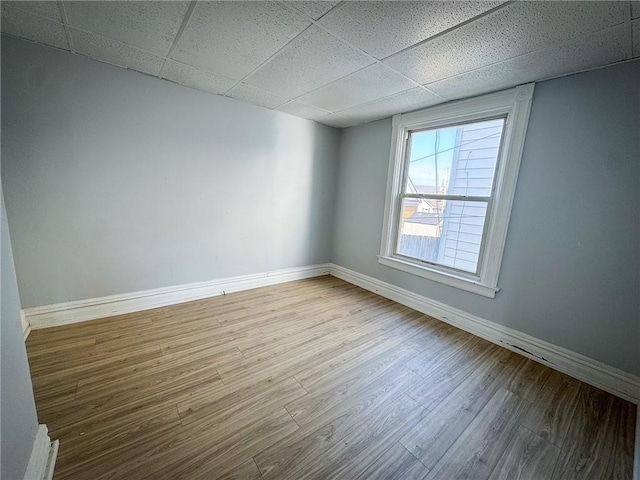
(346, 361)
(326, 427)
(164, 366)
(376, 326)
(284, 458)
(285, 365)
(397, 463)
(371, 368)
(107, 420)
(312, 379)
(378, 314)
(176, 447)
(77, 331)
(247, 471)
(176, 387)
(89, 445)
(592, 448)
(217, 456)
(64, 369)
(56, 393)
(220, 408)
(310, 441)
(252, 325)
(46, 351)
(622, 457)
(108, 461)
(528, 457)
(223, 395)
(477, 451)
(527, 380)
(433, 328)
(365, 444)
(105, 425)
(432, 437)
(446, 374)
(268, 348)
(115, 341)
(551, 411)
(272, 343)
(209, 309)
(323, 284)
(357, 391)
(438, 345)
(188, 344)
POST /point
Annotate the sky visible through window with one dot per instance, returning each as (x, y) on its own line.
(431, 158)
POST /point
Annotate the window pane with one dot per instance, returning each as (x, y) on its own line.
(445, 232)
(458, 160)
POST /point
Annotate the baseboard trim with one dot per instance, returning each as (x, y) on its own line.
(26, 328)
(43, 456)
(590, 371)
(93, 308)
(595, 373)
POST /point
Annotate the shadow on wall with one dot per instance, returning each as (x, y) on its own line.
(303, 192)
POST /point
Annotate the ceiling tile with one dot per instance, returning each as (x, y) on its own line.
(635, 9)
(192, 77)
(301, 110)
(400, 103)
(363, 86)
(116, 53)
(597, 49)
(234, 38)
(24, 25)
(254, 95)
(48, 10)
(313, 59)
(383, 28)
(336, 120)
(151, 26)
(520, 28)
(314, 10)
(635, 26)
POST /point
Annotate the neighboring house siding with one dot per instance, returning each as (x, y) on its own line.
(472, 174)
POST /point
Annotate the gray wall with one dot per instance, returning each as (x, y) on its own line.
(117, 182)
(571, 268)
(18, 412)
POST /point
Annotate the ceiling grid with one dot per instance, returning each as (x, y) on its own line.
(339, 63)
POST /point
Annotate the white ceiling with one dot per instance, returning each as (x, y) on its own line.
(339, 63)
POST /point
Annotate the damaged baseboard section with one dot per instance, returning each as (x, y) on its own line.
(43, 456)
(512, 346)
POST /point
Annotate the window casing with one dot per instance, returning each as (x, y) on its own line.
(437, 211)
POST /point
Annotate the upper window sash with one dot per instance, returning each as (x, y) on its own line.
(513, 105)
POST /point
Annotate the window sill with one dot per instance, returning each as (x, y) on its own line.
(450, 279)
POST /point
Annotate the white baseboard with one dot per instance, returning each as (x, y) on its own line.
(43, 456)
(93, 308)
(26, 328)
(590, 371)
(603, 376)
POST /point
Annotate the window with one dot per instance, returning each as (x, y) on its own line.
(452, 176)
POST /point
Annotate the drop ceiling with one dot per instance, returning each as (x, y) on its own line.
(339, 63)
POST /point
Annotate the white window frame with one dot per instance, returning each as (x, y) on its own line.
(515, 105)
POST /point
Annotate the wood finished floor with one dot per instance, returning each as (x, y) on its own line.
(313, 379)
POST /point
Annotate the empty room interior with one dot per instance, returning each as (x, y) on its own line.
(320, 240)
